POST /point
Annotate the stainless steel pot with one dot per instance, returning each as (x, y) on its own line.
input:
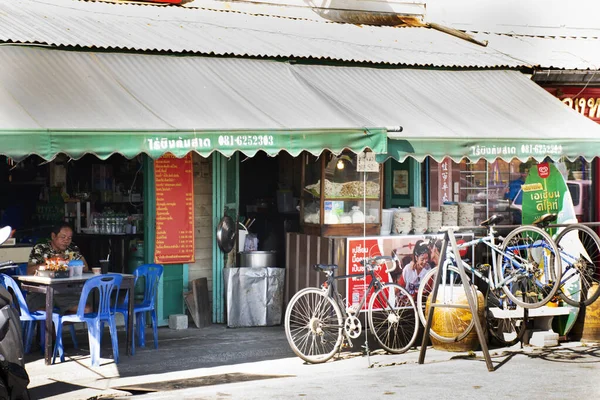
(257, 259)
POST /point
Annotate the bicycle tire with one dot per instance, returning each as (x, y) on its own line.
(586, 268)
(538, 272)
(460, 326)
(313, 325)
(393, 318)
(505, 331)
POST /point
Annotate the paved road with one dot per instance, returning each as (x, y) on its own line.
(221, 359)
(568, 372)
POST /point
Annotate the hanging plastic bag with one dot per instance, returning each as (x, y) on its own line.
(251, 243)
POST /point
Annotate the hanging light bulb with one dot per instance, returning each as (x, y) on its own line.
(340, 164)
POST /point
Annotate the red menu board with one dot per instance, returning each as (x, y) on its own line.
(174, 210)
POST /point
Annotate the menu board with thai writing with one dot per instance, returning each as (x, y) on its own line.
(174, 210)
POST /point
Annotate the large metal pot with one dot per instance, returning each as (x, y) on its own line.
(257, 258)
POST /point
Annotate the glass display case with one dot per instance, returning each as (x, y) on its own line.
(338, 200)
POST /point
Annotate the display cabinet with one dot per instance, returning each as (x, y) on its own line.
(484, 184)
(338, 200)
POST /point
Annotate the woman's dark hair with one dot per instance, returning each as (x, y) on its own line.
(421, 248)
(523, 167)
(58, 227)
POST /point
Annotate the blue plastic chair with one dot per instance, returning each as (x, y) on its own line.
(28, 317)
(108, 287)
(151, 274)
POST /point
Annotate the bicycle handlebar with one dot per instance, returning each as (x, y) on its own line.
(378, 260)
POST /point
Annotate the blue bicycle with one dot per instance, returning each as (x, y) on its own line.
(525, 274)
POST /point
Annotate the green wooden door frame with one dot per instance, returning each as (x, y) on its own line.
(171, 302)
(414, 178)
(225, 189)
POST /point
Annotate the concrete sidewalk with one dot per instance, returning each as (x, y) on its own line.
(193, 353)
(179, 352)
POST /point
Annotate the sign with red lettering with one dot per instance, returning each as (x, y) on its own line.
(586, 101)
(174, 243)
(445, 181)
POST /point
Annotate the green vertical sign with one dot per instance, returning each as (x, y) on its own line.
(545, 191)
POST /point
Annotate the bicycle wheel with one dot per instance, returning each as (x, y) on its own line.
(393, 318)
(529, 266)
(454, 325)
(313, 325)
(579, 248)
(505, 327)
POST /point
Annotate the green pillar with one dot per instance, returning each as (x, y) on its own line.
(225, 194)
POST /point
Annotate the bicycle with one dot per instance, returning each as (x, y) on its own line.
(525, 272)
(579, 248)
(317, 322)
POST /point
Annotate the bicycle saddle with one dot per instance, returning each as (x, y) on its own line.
(324, 267)
(545, 220)
(493, 220)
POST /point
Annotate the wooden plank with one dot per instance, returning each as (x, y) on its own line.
(200, 292)
(191, 305)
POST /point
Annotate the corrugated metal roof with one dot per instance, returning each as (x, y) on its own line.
(558, 18)
(549, 34)
(547, 52)
(177, 29)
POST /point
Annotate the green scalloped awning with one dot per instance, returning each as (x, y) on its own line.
(76, 143)
(491, 149)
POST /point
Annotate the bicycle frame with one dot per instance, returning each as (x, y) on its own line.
(334, 294)
(491, 279)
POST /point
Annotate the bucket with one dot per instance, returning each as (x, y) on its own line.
(587, 326)
(387, 217)
(445, 320)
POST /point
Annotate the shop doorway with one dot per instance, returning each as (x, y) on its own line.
(269, 192)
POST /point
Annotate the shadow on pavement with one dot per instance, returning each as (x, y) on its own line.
(180, 350)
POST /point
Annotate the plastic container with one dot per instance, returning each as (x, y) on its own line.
(357, 216)
(242, 233)
(104, 266)
(387, 217)
(75, 268)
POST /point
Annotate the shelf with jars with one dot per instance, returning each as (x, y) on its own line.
(338, 200)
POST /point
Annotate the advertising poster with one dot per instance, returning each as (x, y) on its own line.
(417, 255)
(545, 191)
